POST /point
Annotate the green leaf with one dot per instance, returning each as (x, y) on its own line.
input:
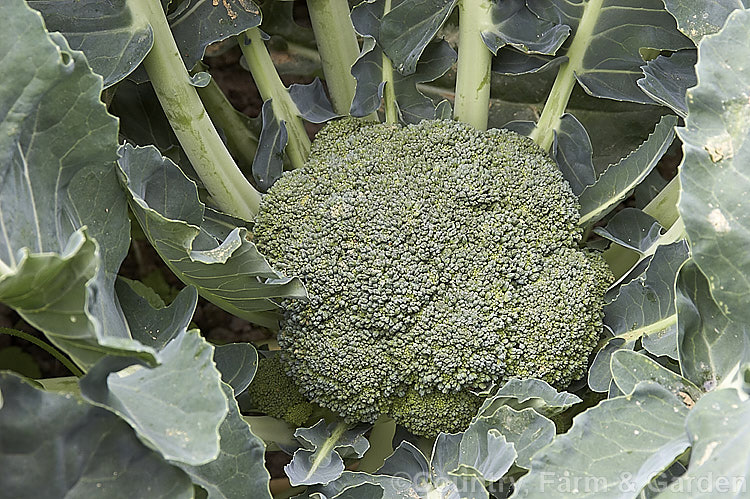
(646, 305)
(618, 445)
(312, 101)
(483, 452)
(393, 487)
(199, 23)
(619, 180)
(237, 363)
(239, 467)
(409, 27)
(526, 429)
(155, 326)
(632, 229)
(609, 35)
(59, 147)
(630, 368)
(572, 152)
(510, 61)
(268, 164)
(445, 459)
(413, 105)
(409, 462)
(113, 40)
(368, 72)
(710, 345)
(143, 122)
(720, 436)
(713, 14)
(271, 430)
(178, 419)
(600, 373)
(534, 393)
(319, 460)
(714, 186)
(512, 23)
(668, 78)
(56, 445)
(229, 272)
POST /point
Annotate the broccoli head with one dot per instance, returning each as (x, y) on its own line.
(439, 260)
(275, 394)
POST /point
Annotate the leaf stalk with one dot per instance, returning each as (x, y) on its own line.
(338, 49)
(271, 87)
(228, 187)
(562, 88)
(474, 70)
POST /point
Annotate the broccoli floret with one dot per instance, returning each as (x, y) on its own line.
(439, 260)
(275, 394)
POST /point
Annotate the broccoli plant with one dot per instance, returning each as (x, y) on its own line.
(478, 272)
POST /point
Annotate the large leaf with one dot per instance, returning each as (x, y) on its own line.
(143, 122)
(622, 442)
(713, 14)
(512, 23)
(572, 151)
(710, 345)
(58, 147)
(393, 487)
(412, 105)
(605, 56)
(237, 363)
(113, 40)
(155, 326)
(226, 268)
(199, 23)
(483, 452)
(447, 476)
(409, 27)
(238, 470)
(720, 436)
(632, 229)
(630, 368)
(600, 374)
(268, 163)
(667, 79)
(618, 181)
(529, 393)
(56, 445)
(716, 146)
(645, 306)
(319, 460)
(526, 429)
(178, 419)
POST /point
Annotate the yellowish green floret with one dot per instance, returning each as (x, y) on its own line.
(275, 394)
(439, 261)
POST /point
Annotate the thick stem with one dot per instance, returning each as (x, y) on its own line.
(228, 187)
(240, 143)
(338, 48)
(389, 91)
(474, 64)
(270, 87)
(559, 96)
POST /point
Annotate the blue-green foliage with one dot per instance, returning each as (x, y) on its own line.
(439, 261)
